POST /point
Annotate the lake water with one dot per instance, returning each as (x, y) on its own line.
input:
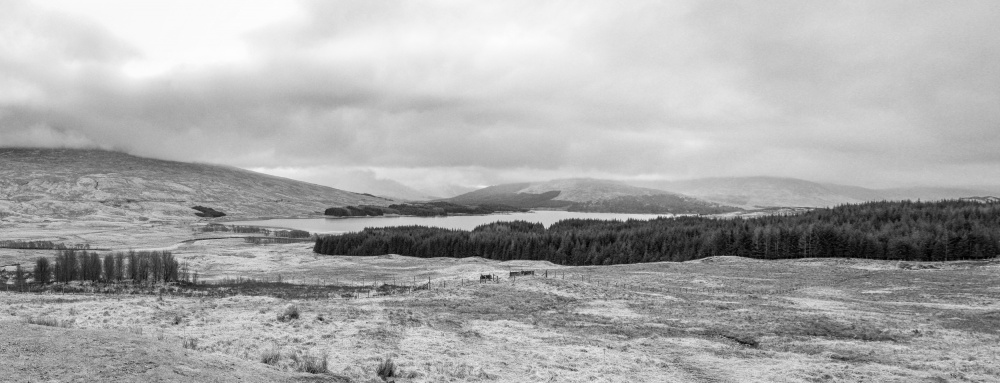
(464, 222)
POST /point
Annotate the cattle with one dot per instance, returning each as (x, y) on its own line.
(521, 272)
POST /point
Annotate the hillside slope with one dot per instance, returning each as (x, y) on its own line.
(589, 195)
(752, 192)
(74, 183)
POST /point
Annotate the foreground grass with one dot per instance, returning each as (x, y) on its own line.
(732, 320)
(48, 321)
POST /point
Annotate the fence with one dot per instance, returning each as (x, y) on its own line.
(223, 284)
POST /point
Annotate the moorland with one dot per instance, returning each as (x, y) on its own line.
(265, 306)
(718, 319)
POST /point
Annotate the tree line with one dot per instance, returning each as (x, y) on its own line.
(427, 209)
(39, 245)
(215, 227)
(900, 230)
(135, 266)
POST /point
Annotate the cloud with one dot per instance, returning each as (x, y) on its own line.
(470, 93)
(45, 137)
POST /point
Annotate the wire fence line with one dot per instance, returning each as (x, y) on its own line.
(233, 282)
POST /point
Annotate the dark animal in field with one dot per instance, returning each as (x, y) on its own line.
(522, 272)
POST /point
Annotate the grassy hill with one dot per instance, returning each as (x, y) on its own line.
(97, 184)
(589, 195)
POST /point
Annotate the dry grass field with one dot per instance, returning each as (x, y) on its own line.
(721, 319)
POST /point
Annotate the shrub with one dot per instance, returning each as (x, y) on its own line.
(311, 364)
(270, 356)
(291, 313)
(386, 369)
(47, 321)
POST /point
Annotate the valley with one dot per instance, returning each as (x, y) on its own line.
(276, 311)
(505, 191)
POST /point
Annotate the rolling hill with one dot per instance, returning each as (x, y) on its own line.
(589, 195)
(754, 192)
(97, 184)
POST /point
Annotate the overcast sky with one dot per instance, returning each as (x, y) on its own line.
(871, 93)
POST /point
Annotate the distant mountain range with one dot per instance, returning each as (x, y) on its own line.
(754, 192)
(697, 196)
(584, 194)
(448, 190)
(116, 186)
(366, 182)
(96, 184)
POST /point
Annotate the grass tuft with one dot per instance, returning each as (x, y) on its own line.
(270, 356)
(386, 369)
(47, 321)
(311, 364)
